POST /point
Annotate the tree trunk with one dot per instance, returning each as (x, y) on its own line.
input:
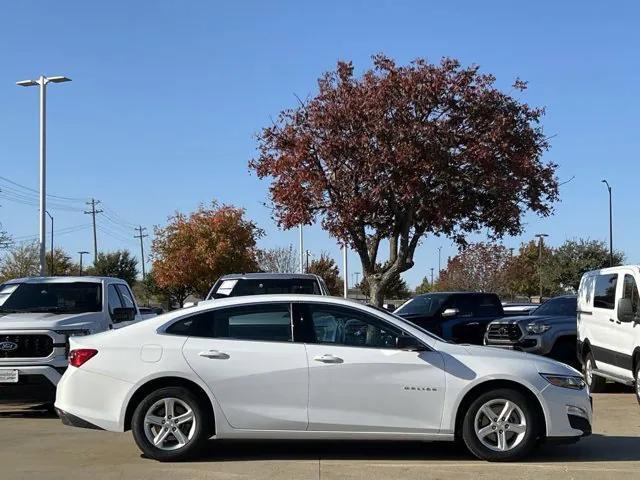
(375, 292)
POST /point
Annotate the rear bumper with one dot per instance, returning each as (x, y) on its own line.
(73, 421)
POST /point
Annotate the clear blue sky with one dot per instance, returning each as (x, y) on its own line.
(167, 96)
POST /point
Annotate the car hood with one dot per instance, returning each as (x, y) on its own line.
(49, 321)
(498, 356)
(524, 320)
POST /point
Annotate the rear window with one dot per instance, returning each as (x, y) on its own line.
(605, 291)
(242, 287)
(564, 306)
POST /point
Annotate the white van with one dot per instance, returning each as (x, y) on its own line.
(609, 326)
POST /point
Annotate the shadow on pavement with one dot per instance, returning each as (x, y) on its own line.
(19, 410)
(597, 448)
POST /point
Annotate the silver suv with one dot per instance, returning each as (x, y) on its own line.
(548, 330)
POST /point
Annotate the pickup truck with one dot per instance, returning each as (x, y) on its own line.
(549, 330)
(37, 317)
(459, 317)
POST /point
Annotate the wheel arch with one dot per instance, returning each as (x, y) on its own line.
(635, 360)
(494, 384)
(170, 381)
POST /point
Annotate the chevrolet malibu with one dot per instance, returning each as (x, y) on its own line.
(312, 367)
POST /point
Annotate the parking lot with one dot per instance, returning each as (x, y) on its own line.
(34, 444)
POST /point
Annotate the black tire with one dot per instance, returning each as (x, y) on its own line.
(636, 384)
(200, 431)
(523, 447)
(595, 383)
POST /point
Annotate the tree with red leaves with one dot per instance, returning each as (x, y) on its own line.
(403, 152)
(191, 252)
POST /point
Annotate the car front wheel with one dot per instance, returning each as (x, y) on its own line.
(501, 425)
(169, 425)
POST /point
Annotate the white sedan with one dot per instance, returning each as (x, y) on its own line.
(311, 367)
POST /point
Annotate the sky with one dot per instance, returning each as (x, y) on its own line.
(167, 98)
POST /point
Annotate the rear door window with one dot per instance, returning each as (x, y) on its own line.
(113, 299)
(605, 291)
(487, 306)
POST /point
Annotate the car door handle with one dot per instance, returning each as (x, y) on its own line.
(326, 358)
(473, 324)
(215, 354)
(611, 320)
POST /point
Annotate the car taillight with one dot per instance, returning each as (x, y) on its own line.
(78, 357)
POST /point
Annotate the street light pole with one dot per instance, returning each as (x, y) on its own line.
(83, 252)
(345, 272)
(439, 257)
(540, 237)
(610, 224)
(52, 267)
(42, 82)
(301, 249)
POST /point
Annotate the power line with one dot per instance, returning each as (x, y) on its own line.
(68, 199)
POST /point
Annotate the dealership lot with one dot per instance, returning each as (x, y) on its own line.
(33, 444)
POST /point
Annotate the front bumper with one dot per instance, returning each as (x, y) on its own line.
(569, 413)
(35, 383)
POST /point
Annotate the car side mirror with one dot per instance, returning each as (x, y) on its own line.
(625, 310)
(409, 343)
(450, 312)
(123, 314)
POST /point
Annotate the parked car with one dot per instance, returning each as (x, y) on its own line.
(313, 367)
(608, 327)
(38, 316)
(548, 330)
(460, 317)
(240, 284)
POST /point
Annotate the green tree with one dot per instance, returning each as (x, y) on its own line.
(426, 287)
(62, 264)
(522, 276)
(23, 260)
(575, 257)
(120, 264)
(325, 267)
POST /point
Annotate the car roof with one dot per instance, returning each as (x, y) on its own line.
(268, 276)
(88, 278)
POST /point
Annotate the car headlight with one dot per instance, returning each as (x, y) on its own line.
(538, 327)
(564, 381)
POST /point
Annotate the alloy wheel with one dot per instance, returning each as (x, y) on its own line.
(169, 424)
(500, 425)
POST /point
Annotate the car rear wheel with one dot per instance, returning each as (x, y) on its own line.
(501, 425)
(637, 385)
(169, 424)
(595, 383)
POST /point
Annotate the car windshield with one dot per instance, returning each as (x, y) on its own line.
(73, 297)
(240, 287)
(424, 305)
(565, 306)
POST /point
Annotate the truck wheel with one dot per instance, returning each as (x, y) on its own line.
(170, 425)
(595, 383)
(501, 425)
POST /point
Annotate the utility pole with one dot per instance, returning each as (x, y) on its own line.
(610, 225)
(42, 82)
(439, 260)
(301, 249)
(83, 252)
(345, 272)
(52, 272)
(431, 275)
(93, 202)
(141, 235)
(540, 237)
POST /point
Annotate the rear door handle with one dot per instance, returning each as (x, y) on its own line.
(611, 320)
(214, 354)
(327, 358)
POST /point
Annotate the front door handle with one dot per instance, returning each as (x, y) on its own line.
(214, 354)
(611, 320)
(327, 358)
